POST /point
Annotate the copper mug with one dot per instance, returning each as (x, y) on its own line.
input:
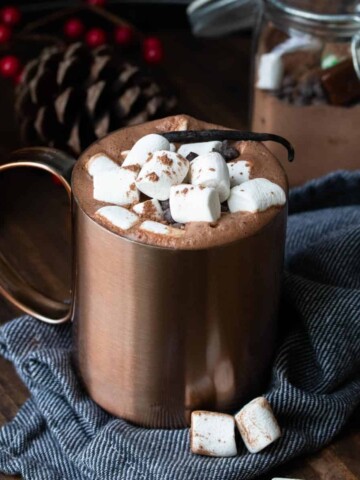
(160, 332)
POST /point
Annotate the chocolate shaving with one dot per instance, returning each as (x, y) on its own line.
(227, 151)
(191, 156)
(189, 136)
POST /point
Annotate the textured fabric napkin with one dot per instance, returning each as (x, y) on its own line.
(61, 434)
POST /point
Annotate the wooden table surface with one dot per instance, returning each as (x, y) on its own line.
(211, 78)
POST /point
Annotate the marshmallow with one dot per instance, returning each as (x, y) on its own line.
(125, 153)
(100, 163)
(163, 170)
(255, 195)
(298, 42)
(210, 170)
(172, 147)
(257, 425)
(239, 172)
(160, 228)
(146, 145)
(149, 208)
(193, 203)
(270, 71)
(199, 148)
(212, 434)
(118, 216)
(116, 186)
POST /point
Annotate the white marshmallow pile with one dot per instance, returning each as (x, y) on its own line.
(163, 170)
(100, 163)
(145, 146)
(257, 425)
(239, 172)
(256, 195)
(213, 433)
(150, 208)
(118, 216)
(210, 170)
(116, 186)
(193, 203)
(195, 190)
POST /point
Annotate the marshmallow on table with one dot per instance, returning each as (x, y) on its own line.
(257, 425)
(193, 203)
(210, 170)
(160, 228)
(270, 71)
(116, 186)
(99, 163)
(200, 148)
(146, 145)
(239, 172)
(212, 434)
(256, 195)
(118, 216)
(163, 170)
(149, 208)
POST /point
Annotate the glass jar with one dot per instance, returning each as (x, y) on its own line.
(306, 83)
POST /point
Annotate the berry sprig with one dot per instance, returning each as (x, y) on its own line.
(75, 29)
(123, 35)
(10, 66)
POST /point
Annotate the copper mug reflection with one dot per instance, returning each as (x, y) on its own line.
(160, 332)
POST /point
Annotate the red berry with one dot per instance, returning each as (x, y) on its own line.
(97, 3)
(74, 28)
(95, 37)
(123, 35)
(151, 42)
(9, 66)
(10, 15)
(5, 34)
(153, 54)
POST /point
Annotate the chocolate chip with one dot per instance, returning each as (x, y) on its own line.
(227, 151)
(168, 217)
(224, 207)
(191, 156)
(165, 204)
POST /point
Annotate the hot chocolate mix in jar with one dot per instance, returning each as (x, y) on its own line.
(307, 83)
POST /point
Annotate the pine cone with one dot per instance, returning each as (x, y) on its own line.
(69, 97)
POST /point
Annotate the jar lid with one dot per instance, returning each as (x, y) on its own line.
(218, 17)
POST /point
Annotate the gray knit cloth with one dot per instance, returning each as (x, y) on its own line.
(61, 434)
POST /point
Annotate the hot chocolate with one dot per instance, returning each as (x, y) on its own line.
(179, 195)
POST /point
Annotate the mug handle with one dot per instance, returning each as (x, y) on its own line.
(12, 286)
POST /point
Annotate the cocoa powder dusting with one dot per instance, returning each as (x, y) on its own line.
(165, 160)
(153, 177)
(149, 209)
(132, 168)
